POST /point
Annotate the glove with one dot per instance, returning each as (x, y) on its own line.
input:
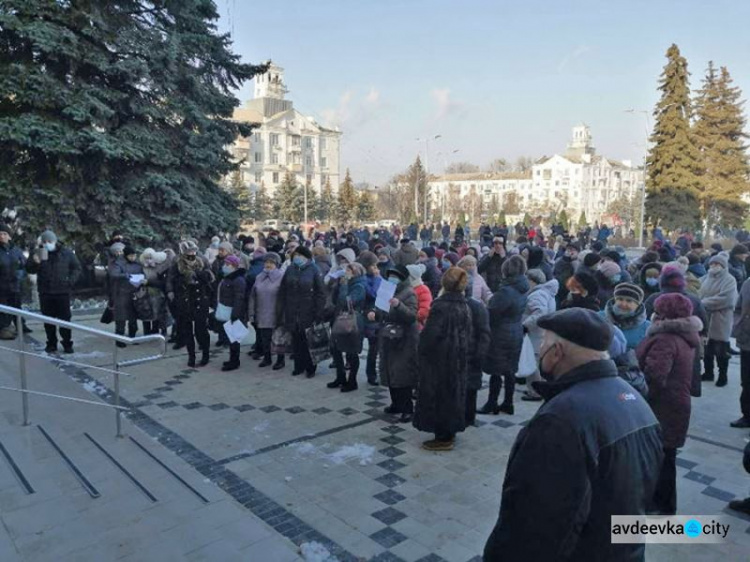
(170, 296)
(525, 330)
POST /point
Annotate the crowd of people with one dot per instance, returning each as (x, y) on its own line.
(653, 329)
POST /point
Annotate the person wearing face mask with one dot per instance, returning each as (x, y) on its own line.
(120, 278)
(582, 292)
(719, 296)
(432, 273)
(608, 275)
(12, 268)
(648, 278)
(592, 450)
(449, 259)
(540, 301)
(224, 250)
(155, 266)
(477, 284)
(399, 337)
(58, 270)
(301, 303)
(384, 260)
(231, 293)
(213, 250)
(506, 311)
(189, 286)
(626, 311)
(262, 308)
(371, 328)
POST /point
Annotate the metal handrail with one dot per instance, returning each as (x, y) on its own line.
(19, 314)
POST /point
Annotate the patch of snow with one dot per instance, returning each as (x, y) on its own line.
(305, 448)
(316, 552)
(89, 355)
(262, 426)
(358, 451)
(288, 478)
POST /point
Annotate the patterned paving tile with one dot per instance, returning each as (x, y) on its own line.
(375, 404)
(321, 411)
(722, 495)
(503, 423)
(193, 406)
(218, 407)
(386, 557)
(391, 452)
(391, 480)
(348, 411)
(698, 477)
(164, 389)
(391, 465)
(684, 463)
(181, 377)
(393, 429)
(389, 515)
(392, 440)
(153, 396)
(388, 537)
(170, 404)
(435, 558)
(389, 497)
(295, 410)
(269, 409)
(244, 408)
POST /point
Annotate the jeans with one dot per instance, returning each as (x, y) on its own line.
(56, 306)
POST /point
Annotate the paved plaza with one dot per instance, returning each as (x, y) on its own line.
(250, 465)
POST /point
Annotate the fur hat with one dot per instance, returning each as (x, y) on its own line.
(117, 248)
(454, 280)
(739, 250)
(537, 276)
(629, 291)
(272, 256)
(673, 305)
(232, 260)
(609, 269)
(649, 257)
(610, 254)
(513, 267)
(467, 261)
(304, 252)
(367, 259)
(583, 281)
(348, 254)
(160, 257)
(188, 247)
(672, 276)
(415, 273)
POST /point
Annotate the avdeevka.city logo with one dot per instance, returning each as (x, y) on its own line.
(674, 529)
(693, 528)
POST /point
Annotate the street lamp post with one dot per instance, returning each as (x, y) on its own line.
(427, 177)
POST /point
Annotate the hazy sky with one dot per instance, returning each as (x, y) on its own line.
(494, 78)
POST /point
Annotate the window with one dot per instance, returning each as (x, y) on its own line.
(322, 143)
(308, 161)
(295, 140)
(323, 162)
(256, 137)
(308, 142)
(258, 177)
(275, 177)
(538, 172)
(258, 158)
(274, 139)
(274, 158)
(324, 179)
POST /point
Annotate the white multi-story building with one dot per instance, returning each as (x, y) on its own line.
(578, 181)
(285, 140)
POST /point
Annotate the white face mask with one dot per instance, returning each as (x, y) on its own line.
(50, 246)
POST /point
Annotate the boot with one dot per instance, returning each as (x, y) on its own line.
(722, 379)
(339, 381)
(205, 357)
(191, 359)
(491, 407)
(234, 360)
(723, 368)
(279, 363)
(266, 361)
(506, 408)
(351, 384)
(707, 377)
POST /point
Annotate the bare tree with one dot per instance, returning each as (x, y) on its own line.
(461, 168)
(499, 165)
(524, 163)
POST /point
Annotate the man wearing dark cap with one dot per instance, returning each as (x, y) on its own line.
(407, 254)
(592, 450)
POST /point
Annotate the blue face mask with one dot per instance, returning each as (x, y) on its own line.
(652, 281)
(227, 269)
(299, 261)
(616, 278)
(446, 264)
(394, 280)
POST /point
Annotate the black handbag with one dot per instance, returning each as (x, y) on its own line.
(142, 305)
(108, 316)
(319, 342)
(345, 331)
(392, 331)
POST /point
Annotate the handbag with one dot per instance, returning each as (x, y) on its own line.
(223, 312)
(527, 360)
(319, 342)
(392, 331)
(108, 316)
(281, 341)
(345, 331)
(142, 305)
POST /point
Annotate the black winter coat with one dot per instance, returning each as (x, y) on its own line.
(592, 450)
(506, 309)
(443, 366)
(192, 292)
(479, 344)
(121, 290)
(490, 267)
(302, 297)
(58, 274)
(12, 261)
(432, 276)
(231, 292)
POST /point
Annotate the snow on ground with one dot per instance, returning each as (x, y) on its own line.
(316, 552)
(357, 452)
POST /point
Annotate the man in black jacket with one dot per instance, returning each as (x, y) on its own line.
(592, 450)
(58, 269)
(490, 266)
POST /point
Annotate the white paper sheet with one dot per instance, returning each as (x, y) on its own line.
(236, 331)
(384, 295)
(136, 279)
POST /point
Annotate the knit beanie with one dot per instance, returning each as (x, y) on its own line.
(227, 246)
(347, 254)
(232, 260)
(629, 291)
(591, 259)
(672, 277)
(272, 256)
(304, 252)
(609, 269)
(367, 259)
(416, 270)
(429, 251)
(117, 248)
(48, 236)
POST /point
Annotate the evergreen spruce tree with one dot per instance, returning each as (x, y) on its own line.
(526, 219)
(289, 199)
(673, 163)
(347, 201)
(117, 115)
(719, 135)
(564, 220)
(326, 202)
(261, 204)
(582, 221)
(242, 196)
(313, 202)
(501, 219)
(365, 207)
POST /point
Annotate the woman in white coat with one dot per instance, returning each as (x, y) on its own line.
(539, 301)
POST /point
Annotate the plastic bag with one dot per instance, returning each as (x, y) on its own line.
(281, 341)
(319, 342)
(527, 361)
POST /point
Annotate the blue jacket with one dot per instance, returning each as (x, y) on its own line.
(592, 450)
(634, 327)
(12, 269)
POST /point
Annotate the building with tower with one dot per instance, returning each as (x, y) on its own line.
(284, 141)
